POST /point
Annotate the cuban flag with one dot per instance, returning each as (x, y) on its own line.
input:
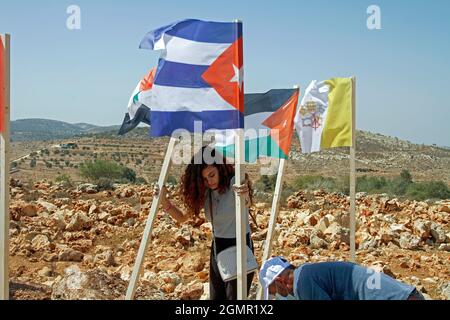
(199, 76)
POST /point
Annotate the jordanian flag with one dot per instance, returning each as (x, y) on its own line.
(324, 118)
(269, 124)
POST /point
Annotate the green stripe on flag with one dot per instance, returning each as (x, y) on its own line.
(255, 148)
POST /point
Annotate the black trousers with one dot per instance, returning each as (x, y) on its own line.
(218, 289)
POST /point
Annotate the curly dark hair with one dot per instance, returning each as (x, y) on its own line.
(193, 187)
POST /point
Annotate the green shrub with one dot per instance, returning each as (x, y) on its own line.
(286, 192)
(105, 184)
(128, 174)
(428, 190)
(172, 180)
(64, 179)
(314, 183)
(266, 183)
(399, 185)
(371, 184)
(342, 185)
(106, 170)
(95, 170)
(141, 180)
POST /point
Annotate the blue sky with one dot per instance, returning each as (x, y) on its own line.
(87, 75)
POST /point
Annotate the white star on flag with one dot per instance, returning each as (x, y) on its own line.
(238, 76)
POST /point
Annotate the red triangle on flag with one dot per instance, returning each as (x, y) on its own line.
(225, 75)
(281, 123)
(147, 81)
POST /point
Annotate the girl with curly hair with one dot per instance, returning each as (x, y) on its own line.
(216, 180)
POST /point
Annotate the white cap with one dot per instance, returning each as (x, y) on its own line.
(271, 269)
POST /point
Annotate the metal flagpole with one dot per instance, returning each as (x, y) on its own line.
(273, 215)
(353, 177)
(241, 228)
(150, 220)
(4, 164)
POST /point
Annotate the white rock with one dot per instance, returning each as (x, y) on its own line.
(338, 233)
(438, 233)
(78, 222)
(445, 289)
(302, 215)
(169, 277)
(395, 227)
(125, 273)
(45, 272)
(316, 242)
(323, 224)
(47, 205)
(422, 228)
(429, 281)
(361, 195)
(409, 241)
(205, 295)
(40, 242)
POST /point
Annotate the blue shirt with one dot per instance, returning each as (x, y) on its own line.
(346, 281)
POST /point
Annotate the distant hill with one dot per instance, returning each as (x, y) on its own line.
(376, 154)
(44, 129)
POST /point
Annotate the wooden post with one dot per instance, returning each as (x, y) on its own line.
(241, 227)
(273, 219)
(132, 286)
(4, 164)
(353, 177)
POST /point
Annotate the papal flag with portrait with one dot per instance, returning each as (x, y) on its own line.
(324, 117)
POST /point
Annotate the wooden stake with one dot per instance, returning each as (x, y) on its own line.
(4, 169)
(353, 178)
(132, 286)
(241, 227)
(273, 219)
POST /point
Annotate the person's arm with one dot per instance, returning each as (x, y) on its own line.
(168, 207)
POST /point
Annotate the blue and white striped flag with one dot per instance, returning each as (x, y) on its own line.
(199, 76)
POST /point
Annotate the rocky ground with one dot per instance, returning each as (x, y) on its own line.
(79, 243)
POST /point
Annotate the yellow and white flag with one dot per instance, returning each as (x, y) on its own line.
(324, 118)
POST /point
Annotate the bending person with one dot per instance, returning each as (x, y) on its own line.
(331, 281)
